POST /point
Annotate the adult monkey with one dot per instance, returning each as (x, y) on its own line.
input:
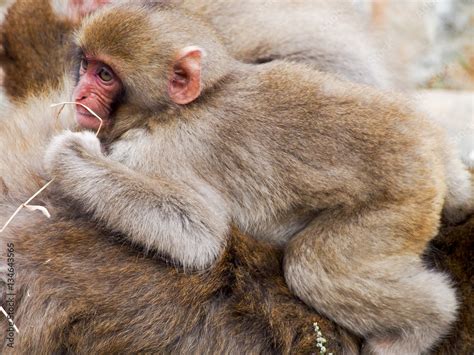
(328, 35)
(78, 290)
(313, 32)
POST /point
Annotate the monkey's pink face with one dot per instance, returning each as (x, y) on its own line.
(98, 88)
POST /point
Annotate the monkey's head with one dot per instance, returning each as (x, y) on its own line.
(142, 59)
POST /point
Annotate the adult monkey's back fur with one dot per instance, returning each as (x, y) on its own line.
(80, 291)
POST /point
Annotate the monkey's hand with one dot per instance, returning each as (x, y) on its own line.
(185, 221)
(68, 145)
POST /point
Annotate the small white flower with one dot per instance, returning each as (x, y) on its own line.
(320, 340)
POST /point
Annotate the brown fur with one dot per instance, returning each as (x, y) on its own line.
(453, 251)
(350, 179)
(449, 250)
(84, 293)
(33, 37)
(327, 35)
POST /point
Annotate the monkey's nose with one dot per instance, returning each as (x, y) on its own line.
(86, 95)
(82, 97)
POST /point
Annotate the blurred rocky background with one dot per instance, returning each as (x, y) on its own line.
(429, 42)
(429, 45)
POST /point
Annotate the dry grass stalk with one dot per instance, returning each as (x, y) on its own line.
(43, 209)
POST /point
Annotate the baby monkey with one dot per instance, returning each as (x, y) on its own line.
(350, 180)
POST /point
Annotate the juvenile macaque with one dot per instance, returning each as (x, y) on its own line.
(351, 181)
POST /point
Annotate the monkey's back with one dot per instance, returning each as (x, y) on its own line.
(331, 126)
(312, 142)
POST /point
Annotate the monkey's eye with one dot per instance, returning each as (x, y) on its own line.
(84, 64)
(105, 75)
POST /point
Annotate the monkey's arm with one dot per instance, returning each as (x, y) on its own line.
(166, 216)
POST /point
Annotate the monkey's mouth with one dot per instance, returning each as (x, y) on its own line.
(88, 121)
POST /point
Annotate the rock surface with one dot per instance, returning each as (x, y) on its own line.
(453, 110)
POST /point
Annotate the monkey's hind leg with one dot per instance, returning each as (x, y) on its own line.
(365, 272)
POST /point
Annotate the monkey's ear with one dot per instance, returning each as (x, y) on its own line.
(185, 82)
